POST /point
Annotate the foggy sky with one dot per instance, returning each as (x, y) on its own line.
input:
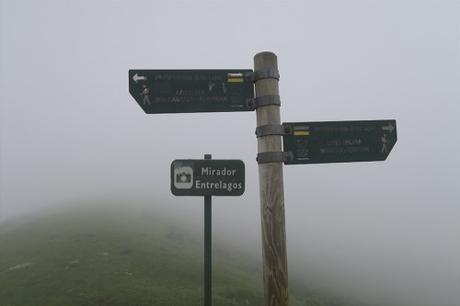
(70, 131)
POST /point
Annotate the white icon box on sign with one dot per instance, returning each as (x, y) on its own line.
(183, 177)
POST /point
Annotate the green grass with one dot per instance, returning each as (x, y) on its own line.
(115, 256)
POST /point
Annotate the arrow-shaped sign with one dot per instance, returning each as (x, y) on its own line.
(192, 91)
(339, 141)
(389, 128)
(137, 77)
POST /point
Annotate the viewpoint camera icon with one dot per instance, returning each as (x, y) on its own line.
(183, 177)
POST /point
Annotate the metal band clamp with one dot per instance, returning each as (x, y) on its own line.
(265, 101)
(272, 129)
(274, 157)
(262, 74)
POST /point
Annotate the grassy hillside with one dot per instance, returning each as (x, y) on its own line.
(106, 256)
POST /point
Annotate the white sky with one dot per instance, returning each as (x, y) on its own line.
(70, 130)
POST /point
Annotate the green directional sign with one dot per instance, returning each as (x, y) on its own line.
(200, 177)
(339, 141)
(191, 91)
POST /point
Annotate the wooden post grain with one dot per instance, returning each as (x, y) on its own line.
(275, 274)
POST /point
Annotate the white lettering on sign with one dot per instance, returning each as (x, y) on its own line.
(218, 185)
(345, 142)
(339, 150)
(218, 172)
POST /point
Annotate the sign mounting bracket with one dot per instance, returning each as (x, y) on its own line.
(262, 74)
(265, 101)
(274, 157)
(273, 129)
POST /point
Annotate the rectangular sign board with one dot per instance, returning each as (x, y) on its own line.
(339, 141)
(191, 91)
(200, 177)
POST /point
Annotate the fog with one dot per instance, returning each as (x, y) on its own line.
(383, 231)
